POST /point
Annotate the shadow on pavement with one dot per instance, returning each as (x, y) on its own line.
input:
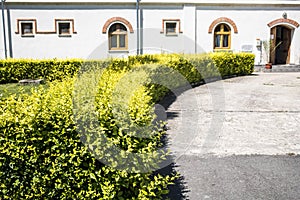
(179, 190)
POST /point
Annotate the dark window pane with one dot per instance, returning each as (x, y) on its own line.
(122, 41)
(122, 28)
(113, 41)
(225, 40)
(218, 28)
(117, 27)
(171, 27)
(64, 28)
(217, 40)
(226, 28)
(113, 28)
(26, 28)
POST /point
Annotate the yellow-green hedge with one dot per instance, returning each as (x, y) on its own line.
(13, 70)
(41, 153)
(225, 64)
(42, 157)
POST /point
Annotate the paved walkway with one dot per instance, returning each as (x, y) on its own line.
(238, 138)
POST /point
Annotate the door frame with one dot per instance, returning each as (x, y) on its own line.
(273, 37)
(289, 24)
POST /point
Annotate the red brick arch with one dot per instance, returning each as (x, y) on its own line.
(116, 19)
(283, 21)
(222, 20)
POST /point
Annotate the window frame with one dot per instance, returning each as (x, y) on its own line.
(33, 31)
(222, 33)
(169, 21)
(175, 28)
(117, 33)
(59, 22)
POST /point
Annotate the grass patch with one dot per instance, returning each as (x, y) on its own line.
(9, 89)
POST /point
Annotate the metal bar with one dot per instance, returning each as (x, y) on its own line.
(4, 30)
(138, 28)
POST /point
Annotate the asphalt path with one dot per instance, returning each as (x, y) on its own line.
(237, 138)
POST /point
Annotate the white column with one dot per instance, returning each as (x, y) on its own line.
(189, 28)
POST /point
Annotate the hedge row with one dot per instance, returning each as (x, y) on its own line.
(44, 154)
(13, 70)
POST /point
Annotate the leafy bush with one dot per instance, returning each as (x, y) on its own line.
(42, 157)
(44, 154)
(229, 64)
(13, 70)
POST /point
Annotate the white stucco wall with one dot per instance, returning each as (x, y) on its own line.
(195, 18)
(1, 40)
(153, 39)
(88, 23)
(251, 24)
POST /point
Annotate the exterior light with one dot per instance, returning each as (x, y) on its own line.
(284, 15)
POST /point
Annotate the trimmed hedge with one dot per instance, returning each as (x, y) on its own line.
(41, 153)
(13, 70)
(42, 157)
(230, 64)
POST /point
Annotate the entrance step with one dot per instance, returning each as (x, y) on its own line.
(278, 68)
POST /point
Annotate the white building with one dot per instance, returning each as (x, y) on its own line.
(103, 28)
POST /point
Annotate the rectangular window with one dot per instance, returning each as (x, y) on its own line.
(225, 41)
(114, 41)
(26, 28)
(122, 41)
(171, 27)
(217, 41)
(64, 28)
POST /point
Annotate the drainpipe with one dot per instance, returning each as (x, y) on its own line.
(4, 31)
(138, 27)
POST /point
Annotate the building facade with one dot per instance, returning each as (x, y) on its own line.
(114, 28)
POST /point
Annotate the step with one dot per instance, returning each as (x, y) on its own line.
(278, 68)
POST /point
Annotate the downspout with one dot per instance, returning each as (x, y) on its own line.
(137, 27)
(10, 47)
(196, 31)
(4, 30)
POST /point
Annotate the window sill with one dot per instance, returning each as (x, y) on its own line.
(27, 35)
(118, 51)
(64, 35)
(171, 34)
(223, 50)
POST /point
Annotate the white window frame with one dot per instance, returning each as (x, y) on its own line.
(118, 48)
(27, 34)
(58, 22)
(175, 31)
(177, 28)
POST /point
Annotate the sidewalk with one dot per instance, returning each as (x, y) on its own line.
(238, 138)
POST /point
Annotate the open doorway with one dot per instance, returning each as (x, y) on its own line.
(282, 38)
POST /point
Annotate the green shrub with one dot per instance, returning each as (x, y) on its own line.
(13, 70)
(229, 64)
(42, 157)
(43, 154)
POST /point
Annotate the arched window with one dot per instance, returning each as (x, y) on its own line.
(118, 37)
(222, 37)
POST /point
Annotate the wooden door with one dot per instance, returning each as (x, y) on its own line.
(272, 53)
(283, 50)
